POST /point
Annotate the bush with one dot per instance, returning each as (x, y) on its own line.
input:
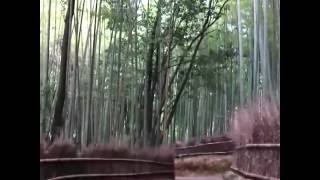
(256, 124)
(106, 151)
(179, 144)
(192, 142)
(58, 149)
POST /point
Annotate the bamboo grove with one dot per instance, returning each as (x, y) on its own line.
(153, 71)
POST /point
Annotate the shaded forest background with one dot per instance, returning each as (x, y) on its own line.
(149, 72)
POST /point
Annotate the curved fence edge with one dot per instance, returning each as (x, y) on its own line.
(204, 154)
(251, 175)
(86, 176)
(205, 144)
(247, 146)
(63, 160)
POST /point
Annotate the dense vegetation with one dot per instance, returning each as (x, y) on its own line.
(153, 71)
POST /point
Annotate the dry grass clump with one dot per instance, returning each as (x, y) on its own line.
(257, 124)
(66, 149)
(106, 151)
(160, 154)
(179, 144)
(164, 154)
(60, 148)
(205, 140)
(204, 165)
(209, 139)
(192, 142)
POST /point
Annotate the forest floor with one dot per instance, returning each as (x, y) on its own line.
(209, 167)
(214, 177)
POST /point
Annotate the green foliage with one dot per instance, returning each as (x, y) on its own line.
(214, 72)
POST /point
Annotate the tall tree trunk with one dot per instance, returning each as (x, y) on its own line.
(266, 62)
(240, 53)
(148, 97)
(118, 93)
(92, 65)
(255, 48)
(99, 91)
(46, 84)
(225, 102)
(75, 117)
(108, 104)
(58, 120)
(111, 97)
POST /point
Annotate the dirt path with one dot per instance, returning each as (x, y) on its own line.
(216, 177)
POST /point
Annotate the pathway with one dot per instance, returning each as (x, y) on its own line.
(211, 177)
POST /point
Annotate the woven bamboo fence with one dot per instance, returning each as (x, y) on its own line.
(104, 168)
(258, 161)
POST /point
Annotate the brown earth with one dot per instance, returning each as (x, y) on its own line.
(215, 177)
(202, 167)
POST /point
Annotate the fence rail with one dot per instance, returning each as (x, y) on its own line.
(105, 168)
(260, 146)
(155, 175)
(102, 160)
(218, 148)
(251, 175)
(204, 154)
